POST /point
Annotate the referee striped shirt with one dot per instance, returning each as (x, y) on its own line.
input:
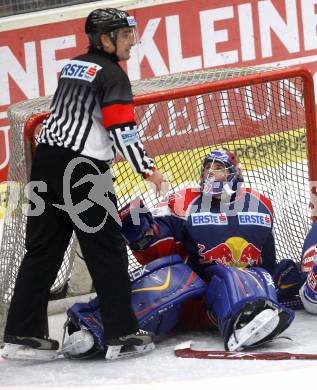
(92, 112)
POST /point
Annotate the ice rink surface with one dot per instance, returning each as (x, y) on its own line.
(161, 369)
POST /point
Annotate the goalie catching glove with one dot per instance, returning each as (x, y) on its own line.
(288, 279)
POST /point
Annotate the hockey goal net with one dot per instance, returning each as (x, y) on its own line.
(267, 116)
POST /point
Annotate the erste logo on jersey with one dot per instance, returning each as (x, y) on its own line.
(209, 219)
(259, 219)
(80, 70)
(130, 136)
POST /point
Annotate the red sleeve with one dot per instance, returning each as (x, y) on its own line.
(116, 115)
(180, 202)
(262, 198)
(165, 247)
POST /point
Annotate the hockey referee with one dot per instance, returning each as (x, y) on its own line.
(92, 118)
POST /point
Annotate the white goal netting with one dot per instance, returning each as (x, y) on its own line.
(266, 116)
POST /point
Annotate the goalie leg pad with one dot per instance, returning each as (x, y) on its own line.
(158, 291)
(236, 296)
(254, 332)
(158, 294)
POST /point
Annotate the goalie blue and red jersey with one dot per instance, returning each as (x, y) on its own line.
(205, 231)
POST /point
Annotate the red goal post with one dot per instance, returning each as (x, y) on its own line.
(266, 115)
(248, 80)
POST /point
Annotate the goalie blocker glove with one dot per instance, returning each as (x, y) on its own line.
(288, 279)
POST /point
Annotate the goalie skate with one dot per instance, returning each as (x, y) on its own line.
(129, 346)
(256, 330)
(79, 344)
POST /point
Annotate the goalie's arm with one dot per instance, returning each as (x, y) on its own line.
(149, 236)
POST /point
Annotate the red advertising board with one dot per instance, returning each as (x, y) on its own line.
(175, 37)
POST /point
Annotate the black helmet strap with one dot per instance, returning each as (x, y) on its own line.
(113, 37)
(95, 41)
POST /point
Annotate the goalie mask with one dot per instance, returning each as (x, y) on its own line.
(220, 173)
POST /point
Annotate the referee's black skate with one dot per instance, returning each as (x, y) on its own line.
(130, 345)
(29, 348)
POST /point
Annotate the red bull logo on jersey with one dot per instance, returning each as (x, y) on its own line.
(259, 219)
(235, 251)
(209, 219)
(80, 70)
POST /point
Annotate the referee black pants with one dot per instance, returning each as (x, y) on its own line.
(48, 236)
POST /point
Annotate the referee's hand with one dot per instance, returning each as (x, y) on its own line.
(160, 182)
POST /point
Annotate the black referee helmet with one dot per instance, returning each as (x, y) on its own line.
(103, 21)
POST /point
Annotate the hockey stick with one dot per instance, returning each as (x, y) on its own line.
(184, 350)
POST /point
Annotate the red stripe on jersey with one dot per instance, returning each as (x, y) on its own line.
(117, 114)
(179, 202)
(307, 262)
(262, 198)
(165, 247)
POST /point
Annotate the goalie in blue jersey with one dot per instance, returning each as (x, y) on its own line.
(208, 259)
